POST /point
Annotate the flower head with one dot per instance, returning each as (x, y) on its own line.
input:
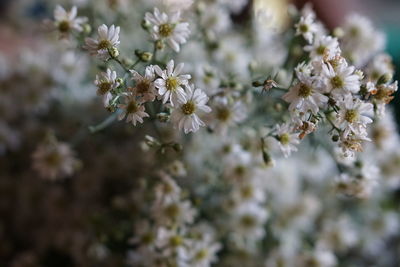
(107, 38)
(185, 114)
(132, 109)
(170, 83)
(144, 85)
(65, 21)
(168, 28)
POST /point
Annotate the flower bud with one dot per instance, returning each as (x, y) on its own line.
(335, 138)
(145, 25)
(87, 28)
(146, 56)
(163, 117)
(160, 45)
(114, 52)
(177, 147)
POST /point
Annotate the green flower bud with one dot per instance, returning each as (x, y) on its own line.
(114, 52)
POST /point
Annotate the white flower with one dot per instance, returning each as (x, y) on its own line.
(352, 143)
(106, 82)
(144, 85)
(248, 222)
(286, 139)
(173, 211)
(307, 28)
(68, 21)
(341, 78)
(107, 39)
(353, 115)
(168, 28)
(203, 253)
(54, 159)
(172, 243)
(177, 5)
(132, 109)
(304, 96)
(170, 83)
(323, 47)
(184, 115)
(226, 114)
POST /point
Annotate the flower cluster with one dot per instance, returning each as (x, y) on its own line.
(287, 155)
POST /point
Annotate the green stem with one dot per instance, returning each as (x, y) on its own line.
(104, 124)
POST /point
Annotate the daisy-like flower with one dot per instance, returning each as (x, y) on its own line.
(353, 115)
(65, 22)
(184, 116)
(170, 83)
(340, 78)
(144, 85)
(249, 222)
(305, 96)
(323, 47)
(132, 109)
(168, 28)
(54, 159)
(203, 253)
(106, 82)
(307, 28)
(286, 139)
(352, 143)
(171, 211)
(226, 114)
(107, 39)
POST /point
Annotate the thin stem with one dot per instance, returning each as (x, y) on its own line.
(121, 64)
(104, 124)
(332, 124)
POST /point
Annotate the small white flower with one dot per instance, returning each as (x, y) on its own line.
(226, 114)
(323, 47)
(144, 85)
(340, 79)
(132, 109)
(307, 28)
(248, 222)
(203, 253)
(171, 211)
(106, 82)
(168, 28)
(286, 139)
(54, 159)
(184, 115)
(305, 96)
(107, 39)
(68, 21)
(170, 83)
(353, 115)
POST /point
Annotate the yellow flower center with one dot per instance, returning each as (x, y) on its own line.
(351, 115)
(132, 107)
(247, 192)
(321, 50)
(284, 139)
(223, 114)
(103, 44)
(103, 88)
(63, 26)
(172, 83)
(143, 86)
(337, 82)
(175, 241)
(53, 159)
(147, 238)
(165, 30)
(304, 28)
(201, 254)
(305, 90)
(248, 221)
(188, 108)
(172, 211)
